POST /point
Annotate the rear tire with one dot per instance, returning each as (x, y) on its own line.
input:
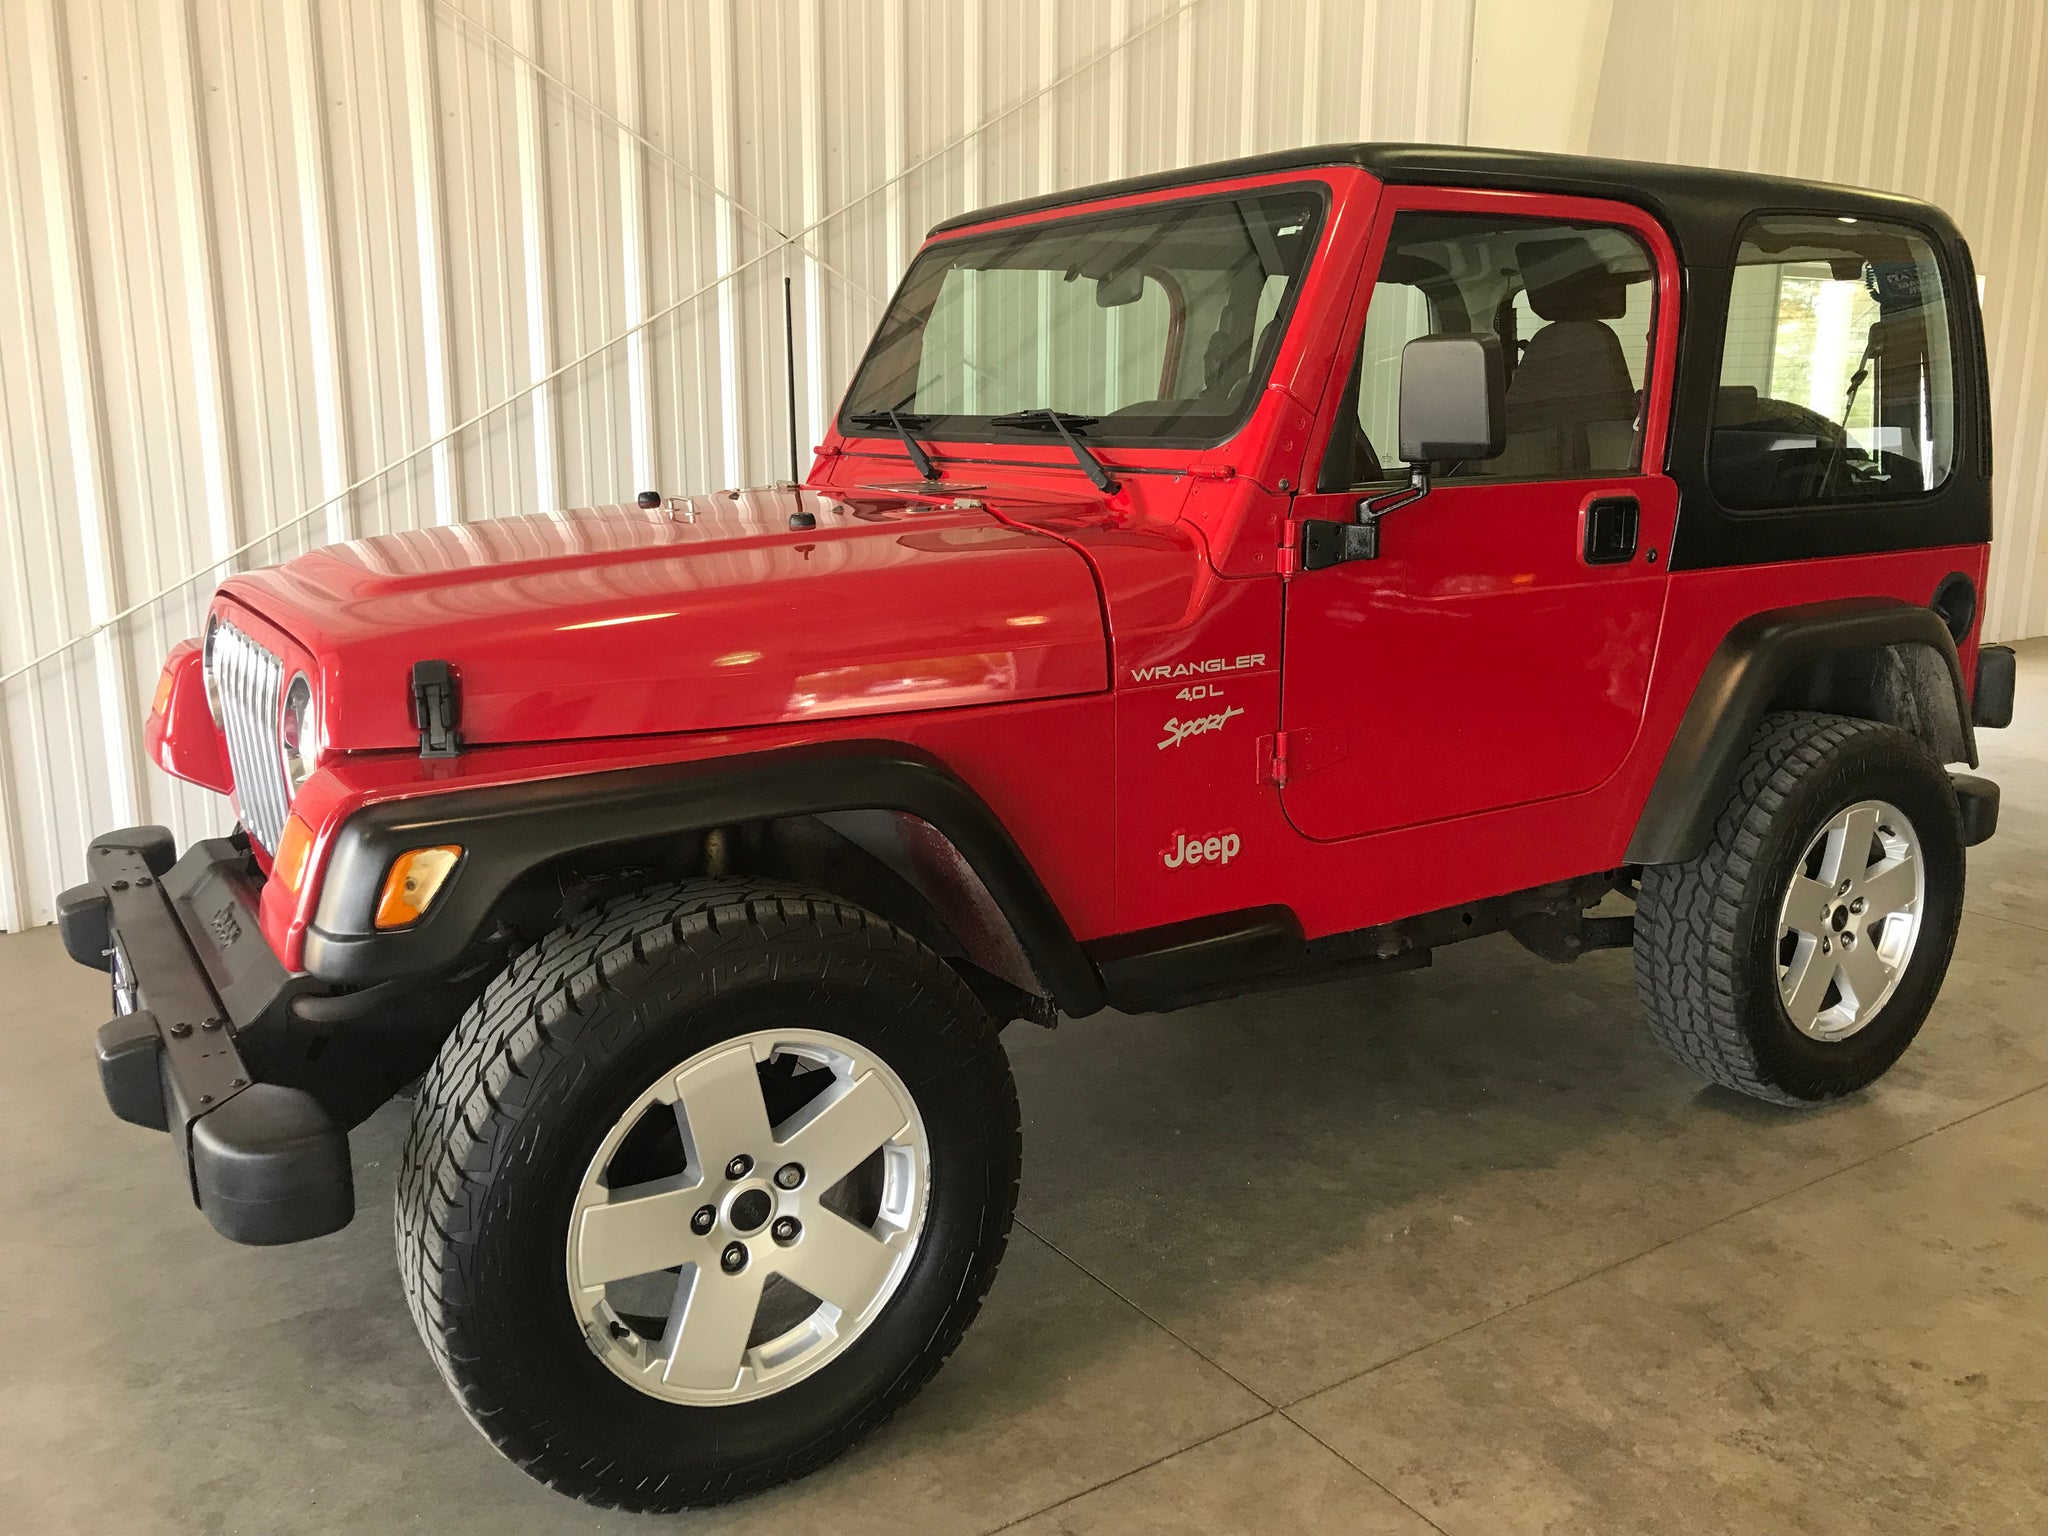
(1727, 951)
(559, 1072)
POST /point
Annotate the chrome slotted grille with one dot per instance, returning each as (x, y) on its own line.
(251, 685)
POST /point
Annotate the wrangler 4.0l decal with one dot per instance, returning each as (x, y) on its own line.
(1167, 671)
(1178, 730)
(1220, 849)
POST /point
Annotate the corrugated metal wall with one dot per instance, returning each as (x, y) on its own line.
(277, 272)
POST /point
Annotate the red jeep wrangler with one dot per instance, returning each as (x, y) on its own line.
(1220, 580)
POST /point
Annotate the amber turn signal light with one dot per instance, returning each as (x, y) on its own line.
(416, 878)
(293, 845)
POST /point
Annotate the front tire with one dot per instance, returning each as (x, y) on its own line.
(704, 1188)
(1796, 957)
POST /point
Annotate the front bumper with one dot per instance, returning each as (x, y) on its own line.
(266, 1162)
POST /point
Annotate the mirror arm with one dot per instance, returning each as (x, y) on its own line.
(1373, 508)
(1325, 543)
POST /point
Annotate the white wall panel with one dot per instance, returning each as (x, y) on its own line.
(275, 272)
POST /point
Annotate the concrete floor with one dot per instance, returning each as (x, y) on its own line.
(1453, 1251)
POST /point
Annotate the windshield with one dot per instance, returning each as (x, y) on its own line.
(1155, 325)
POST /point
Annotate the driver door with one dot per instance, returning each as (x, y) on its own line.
(1497, 651)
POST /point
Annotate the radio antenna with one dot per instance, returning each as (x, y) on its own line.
(789, 359)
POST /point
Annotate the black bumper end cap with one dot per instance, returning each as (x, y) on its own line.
(1997, 680)
(271, 1166)
(85, 922)
(1977, 799)
(159, 849)
(129, 1051)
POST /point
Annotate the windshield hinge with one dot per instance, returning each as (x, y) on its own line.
(436, 709)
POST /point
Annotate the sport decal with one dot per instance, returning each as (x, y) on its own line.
(1178, 731)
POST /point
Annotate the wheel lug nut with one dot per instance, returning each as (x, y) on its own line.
(701, 1219)
(1825, 947)
(786, 1229)
(789, 1175)
(734, 1259)
(1842, 889)
(739, 1167)
(1856, 906)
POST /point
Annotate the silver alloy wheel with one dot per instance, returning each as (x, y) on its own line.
(1850, 919)
(775, 1246)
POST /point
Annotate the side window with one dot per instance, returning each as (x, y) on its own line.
(1837, 380)
(1573, 305)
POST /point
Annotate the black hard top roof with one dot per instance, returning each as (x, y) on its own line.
(1702, 208)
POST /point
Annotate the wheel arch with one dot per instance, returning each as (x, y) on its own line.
(876, 822)
(1872, 658)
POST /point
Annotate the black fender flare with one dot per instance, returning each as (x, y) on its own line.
(1744, 679)
(508, 830)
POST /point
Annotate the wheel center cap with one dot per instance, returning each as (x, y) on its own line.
(749, 1210)
(1839, 919)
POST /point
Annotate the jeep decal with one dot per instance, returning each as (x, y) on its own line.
(1219, 849)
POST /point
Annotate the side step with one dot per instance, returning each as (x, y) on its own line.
(1258, 949)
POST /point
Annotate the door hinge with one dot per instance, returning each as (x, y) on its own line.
(1273, 757)
(1325, 543)
(1288, 755)
(436, 709)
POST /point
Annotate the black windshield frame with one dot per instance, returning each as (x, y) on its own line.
(917, 295)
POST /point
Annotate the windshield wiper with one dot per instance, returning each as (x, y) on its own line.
(887, 417)
(1066, 423)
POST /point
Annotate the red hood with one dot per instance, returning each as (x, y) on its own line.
(708, 613)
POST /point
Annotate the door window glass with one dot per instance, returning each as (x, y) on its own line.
(1837, 381)
(1573, 305)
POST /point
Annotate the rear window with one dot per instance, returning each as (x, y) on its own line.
(1837, 374)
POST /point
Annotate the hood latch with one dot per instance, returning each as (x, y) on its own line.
(436, 709)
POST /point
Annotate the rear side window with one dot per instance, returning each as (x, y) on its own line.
(1837, 376)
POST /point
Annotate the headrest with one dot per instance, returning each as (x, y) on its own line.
(1572, 359)
(1566, 281)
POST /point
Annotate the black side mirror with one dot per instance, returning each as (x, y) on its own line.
(1453, 398)
(1454, 394)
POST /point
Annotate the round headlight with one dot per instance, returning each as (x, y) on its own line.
(207, 670)
(295, 733)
